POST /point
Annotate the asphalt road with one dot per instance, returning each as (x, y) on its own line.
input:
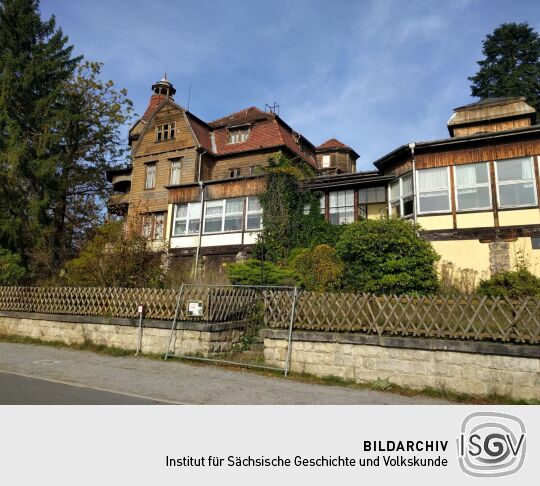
(22, 390)
(107, 379)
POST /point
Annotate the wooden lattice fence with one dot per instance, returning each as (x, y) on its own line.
(466, 317)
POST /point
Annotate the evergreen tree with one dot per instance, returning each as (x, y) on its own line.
(35, 64)
(511, 66)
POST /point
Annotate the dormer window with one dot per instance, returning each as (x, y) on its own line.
(237, 135)
(165, 132)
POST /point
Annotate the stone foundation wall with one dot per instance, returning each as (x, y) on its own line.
(473, 368)
(190, 338)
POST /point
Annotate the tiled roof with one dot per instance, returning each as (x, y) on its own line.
(333, 143)
(155, 101)
(247, 115)
(266, 130)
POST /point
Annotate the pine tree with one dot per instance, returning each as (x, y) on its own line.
(35, 64)
(511, 66)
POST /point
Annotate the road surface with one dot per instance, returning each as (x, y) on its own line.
(35, 374)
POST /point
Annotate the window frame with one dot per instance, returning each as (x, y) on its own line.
(176, 160)
(149, 165)
(167, 129)
(237, 134)
(346, 206)
(483, 184)
(236, 171)
(420, 191)
(252, 212)
(224, 215)
(516, 181)
(401, 197)
(187, 219)
(326, 161)
(148, 229)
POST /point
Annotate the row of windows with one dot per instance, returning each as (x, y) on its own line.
(341, 203)
(175, 168)
(222, 215)
(514, 182)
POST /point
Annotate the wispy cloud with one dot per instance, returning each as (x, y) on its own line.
(375, 73)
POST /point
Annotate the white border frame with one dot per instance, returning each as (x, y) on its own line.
(488, 183)
(516, 181)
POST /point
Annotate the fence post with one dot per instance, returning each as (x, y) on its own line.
(174, 320)
(289, 346)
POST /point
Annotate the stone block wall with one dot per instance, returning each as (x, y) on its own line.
(190, 338)
(478, 370)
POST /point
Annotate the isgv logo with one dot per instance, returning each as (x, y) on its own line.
(491, 444)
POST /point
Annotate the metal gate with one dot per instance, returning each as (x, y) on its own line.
(229, 319)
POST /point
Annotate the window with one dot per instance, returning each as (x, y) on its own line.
(150, 179)
(187, 219)
(370, 195)
(307, 207)
(433, 190)
(237, 135)
(224, 215)
(255, 170)
(159, 226)
(254, 214)
(234, 172)
(472, 187)
(165, 132)
(341, 207)
(153, 226)
(325, 161)
(175, 171)
(535, 242)
(401, 197)
(515, 182)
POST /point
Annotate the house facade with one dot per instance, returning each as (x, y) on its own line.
(193, 186)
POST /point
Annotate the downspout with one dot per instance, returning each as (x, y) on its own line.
(415, 216)
(201, 185)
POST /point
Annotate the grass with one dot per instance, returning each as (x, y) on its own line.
(378, 385)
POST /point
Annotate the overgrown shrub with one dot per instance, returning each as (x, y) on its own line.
(113, 259)
(319, 268)
(514, 284)
(257, 272)
(12, 270)
(387, 256)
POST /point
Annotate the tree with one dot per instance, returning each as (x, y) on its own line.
(511, 66)
(320, 268)
(35, 64)
(387, 256)
(514, 284)
(11, 269)
(60, 130)
(92, 114)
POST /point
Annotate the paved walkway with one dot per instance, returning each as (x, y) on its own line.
(171, 381)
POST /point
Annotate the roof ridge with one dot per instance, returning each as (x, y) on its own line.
(239, 112)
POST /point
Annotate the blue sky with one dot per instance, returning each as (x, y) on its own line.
(375, 74)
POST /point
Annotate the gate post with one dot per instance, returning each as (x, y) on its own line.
(289, 346)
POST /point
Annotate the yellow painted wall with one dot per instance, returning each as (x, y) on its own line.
(519, 216)
(436, 222)
(475, 220)
(465, 254)
(374, 210)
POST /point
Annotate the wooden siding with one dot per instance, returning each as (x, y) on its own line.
(184, 194)
(221, 166)
(147, 150)
(493, 126)
(398, 168)
(483, 153)
(342, 160)
(237, 188)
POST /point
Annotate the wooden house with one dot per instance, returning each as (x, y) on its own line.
(193, 185)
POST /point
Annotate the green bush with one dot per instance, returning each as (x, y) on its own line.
(114, 259)
(12, 270)
(513, 284)
(256, 272)
(387, 256)
(320, 268)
